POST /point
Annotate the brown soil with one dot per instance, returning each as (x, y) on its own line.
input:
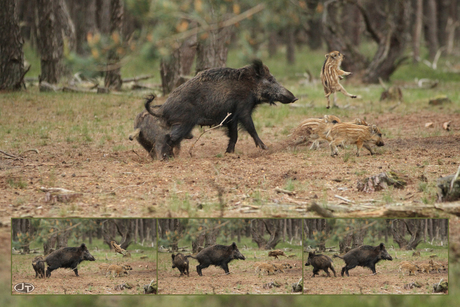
(211, 184)
(241, 280)
(89, 281)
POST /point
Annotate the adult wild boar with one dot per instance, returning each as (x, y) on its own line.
(365, 256)
(207, 98)
(67, 257)
(218, 255)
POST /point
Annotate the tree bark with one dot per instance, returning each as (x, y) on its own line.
(431, 28)
(417, 30)
(11, 54)
(212, 48)
(170, 69)
(55, 27)
(112, 75)
(103, 16)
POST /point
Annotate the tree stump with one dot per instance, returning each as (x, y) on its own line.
(382, 181)
(445, 193)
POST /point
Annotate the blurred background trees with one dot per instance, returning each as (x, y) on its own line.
(95, 38)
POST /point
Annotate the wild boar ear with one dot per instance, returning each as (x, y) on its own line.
(172, 256)
(382, 246)
(233, 245)
(327, 55)
(258, 67)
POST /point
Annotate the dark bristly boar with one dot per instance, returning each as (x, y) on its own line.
(365, 256)
(218, 255)
(39, 267)
(207, 98)
(361, 135)
(152, 133)
(67, 257)
(180, 262)
(320, 262)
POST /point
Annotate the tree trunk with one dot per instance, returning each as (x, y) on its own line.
(49, 244)
(55, 27)
(103, 16)
(337, 39)
(391, 43)
(273, 227)
(417, 30)
(212, 48)
(257, 233)
(112, 75)
(431, 28)
(51, 50)
(170, 69)
(11, 54)
(344, 244)
(83, 11)
(452, 25)
(199, 241)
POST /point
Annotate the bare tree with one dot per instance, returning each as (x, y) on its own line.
(272, 226)
(414, 228)
(11, 54)
(417, 30)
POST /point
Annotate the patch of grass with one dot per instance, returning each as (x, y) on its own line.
(16, 182)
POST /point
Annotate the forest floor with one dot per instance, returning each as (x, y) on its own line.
(87, 151)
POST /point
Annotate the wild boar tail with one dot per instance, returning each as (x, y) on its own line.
(190, 256)
(336, 256)
(149, 108)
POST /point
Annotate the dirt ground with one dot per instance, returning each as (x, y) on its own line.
(241, 280)
(388, 279)
(212, 184)
(89, 281)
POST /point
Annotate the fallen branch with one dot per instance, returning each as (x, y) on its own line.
(56, 190)
(279, 190)
(10, 155)
(319, 210)
(343, 198)
(219, 125)
(135, 79)
(33, 149)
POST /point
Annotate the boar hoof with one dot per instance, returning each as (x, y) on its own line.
(354, 96)
(327, 107)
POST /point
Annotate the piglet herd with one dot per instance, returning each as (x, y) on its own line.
(228, 97)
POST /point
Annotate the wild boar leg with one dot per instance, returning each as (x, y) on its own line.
(225, 267)
(248, 124)
(368, 148)
(233, 135)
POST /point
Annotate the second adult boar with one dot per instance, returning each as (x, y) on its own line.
(67, 257)
(207, 98)
(365, 256)
(218, 255)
